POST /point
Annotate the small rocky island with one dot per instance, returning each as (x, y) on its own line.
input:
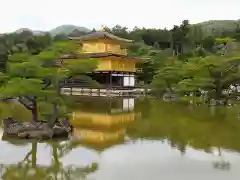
(39, 130)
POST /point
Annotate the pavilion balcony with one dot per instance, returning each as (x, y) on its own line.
(115, 51)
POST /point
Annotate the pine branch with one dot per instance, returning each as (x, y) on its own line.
(24, 100)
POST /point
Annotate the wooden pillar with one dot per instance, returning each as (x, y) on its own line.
(110, 80)
(128, 79)
(102, 81)
(132, 77)
(121, 80)
(106, 47)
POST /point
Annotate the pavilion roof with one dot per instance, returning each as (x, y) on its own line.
(99, 55)
(100, 35)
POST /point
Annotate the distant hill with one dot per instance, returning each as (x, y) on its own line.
(22, 30)
(218, 25)
(67, 29)
(36, 33)
(207, 26)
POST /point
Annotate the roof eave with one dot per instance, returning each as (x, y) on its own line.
(115, 38)
(99, 55)
(74, 38)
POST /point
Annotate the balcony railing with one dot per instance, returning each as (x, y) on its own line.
(120, 51)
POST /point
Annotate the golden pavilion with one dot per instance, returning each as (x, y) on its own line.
(115, 69)
(102, 122)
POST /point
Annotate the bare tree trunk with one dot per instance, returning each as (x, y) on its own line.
(172, 48)
(55, 155)
(35, 111)
(56, 161)
(55, 112)
(218, 89)
(31, 104)
(54, 116)
(34, 155)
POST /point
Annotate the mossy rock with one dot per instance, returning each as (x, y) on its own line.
(34, 130)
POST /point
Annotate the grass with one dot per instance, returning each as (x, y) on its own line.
(15, 110)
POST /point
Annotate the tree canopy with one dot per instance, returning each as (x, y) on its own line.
(212, 73)
(36, 78)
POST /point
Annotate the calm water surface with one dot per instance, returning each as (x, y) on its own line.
(127, 139)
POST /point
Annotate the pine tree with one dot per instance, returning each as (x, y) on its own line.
(35, 80)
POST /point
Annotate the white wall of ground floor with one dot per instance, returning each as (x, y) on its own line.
(128, 79)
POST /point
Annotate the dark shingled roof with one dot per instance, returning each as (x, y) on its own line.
(98, 55)
(100, 34)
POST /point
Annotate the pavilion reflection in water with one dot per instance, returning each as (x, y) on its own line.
(98, 123)
(102, 121)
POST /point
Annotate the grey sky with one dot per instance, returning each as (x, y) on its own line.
(47, 14)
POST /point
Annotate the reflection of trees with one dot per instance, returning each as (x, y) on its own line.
(28, 168)
(221, 165)
(95, 104)
(197, 127)
(184, 127)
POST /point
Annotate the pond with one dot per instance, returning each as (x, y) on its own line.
(131, 139)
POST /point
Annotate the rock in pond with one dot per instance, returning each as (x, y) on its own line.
(35, 130)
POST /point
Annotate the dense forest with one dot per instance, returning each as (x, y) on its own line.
(183, 59)
(187, 60)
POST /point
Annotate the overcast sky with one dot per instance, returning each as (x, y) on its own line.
(47, 14)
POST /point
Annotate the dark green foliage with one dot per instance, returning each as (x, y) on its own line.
(151, 37)
(120, 31)
(183, 38)
(60, 37)
(147, 71)
(212, 73)
(22, 42)
(157, 37)
(208, 43)
(237, 34)
(219, 26)
(76, 33)
(3, 61)
(37, 78)
(38, 43)
(168, 75)
(22, 36)
(185, 42)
